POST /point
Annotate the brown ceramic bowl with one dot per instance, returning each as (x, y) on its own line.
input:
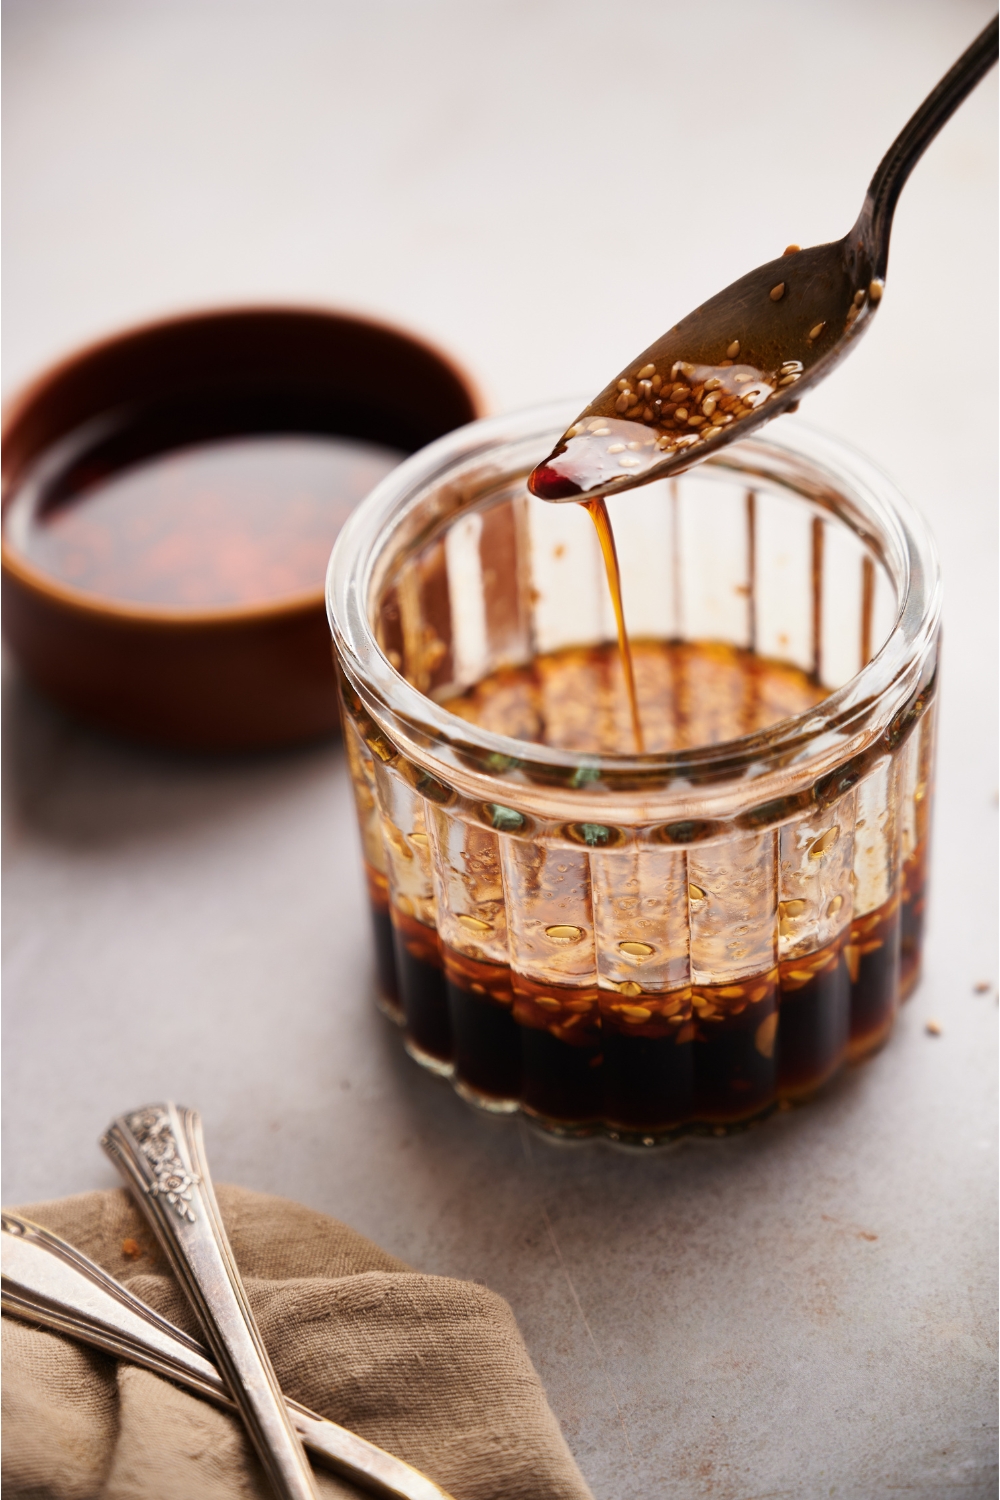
(236, 677)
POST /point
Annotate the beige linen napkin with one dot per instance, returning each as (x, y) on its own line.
(432, 1369)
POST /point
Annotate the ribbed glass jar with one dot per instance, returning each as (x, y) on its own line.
(640, 944)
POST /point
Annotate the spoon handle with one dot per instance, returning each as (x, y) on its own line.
(49, 1282)
(160, 1152)
(917, 134)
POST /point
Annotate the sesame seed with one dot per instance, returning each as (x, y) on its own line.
(622, 403)
(715, 384)
(696, 421)
(788, 380)
(474, 924)
(933, 1028)
(742, 379)
(875, 289)
(859, 297)
(601, 431)
(733, 349)
(657, 382)
(628, 462)
(777, 292)
(632, 398)
(708, 406)
(647, 413)
(623, 385)
(852, 314)
(634, 446)
(646, 371)
(814, 333)
(616, 447)
(791, 250)
(645, 388)
(681, 414)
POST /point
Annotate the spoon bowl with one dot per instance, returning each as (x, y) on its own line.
(750, 352)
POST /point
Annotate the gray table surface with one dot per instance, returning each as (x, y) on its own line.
(806, 1310)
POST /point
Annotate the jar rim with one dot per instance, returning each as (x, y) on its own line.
(850, 718)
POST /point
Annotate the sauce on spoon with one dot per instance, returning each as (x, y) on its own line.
(732, 363)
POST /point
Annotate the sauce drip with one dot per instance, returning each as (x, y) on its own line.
(602, 524)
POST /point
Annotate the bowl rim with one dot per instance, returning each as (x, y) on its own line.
(105, 607)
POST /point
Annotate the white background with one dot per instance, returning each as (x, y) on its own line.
(542, 188)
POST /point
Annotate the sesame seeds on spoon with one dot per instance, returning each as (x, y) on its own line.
(727, 368)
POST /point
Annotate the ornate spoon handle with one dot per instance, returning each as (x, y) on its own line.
(49, 1282)
(160, 1152)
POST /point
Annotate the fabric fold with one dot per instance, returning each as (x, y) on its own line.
(432, 1369)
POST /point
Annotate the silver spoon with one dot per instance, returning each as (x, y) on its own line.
(49, 1282)
(160, 1152)
(750, 352)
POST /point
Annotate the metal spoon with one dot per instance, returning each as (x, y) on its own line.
(49, 1282)
(160, 1152)
(750, 352)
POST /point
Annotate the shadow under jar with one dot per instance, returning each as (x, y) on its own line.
(644, 944)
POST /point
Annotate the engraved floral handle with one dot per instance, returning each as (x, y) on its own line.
(160, 1152)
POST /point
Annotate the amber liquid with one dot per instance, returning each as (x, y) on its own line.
(687, 693)
(598, 512)
(158, 514)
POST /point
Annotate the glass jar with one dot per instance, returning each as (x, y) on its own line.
(644, 944)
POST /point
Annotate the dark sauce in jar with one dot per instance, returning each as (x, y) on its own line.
(386, 981)
(872, 958)
(649, 1064)
(485, 1038)
(422, 993)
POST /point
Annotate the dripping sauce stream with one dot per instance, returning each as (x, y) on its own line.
(602, 524)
